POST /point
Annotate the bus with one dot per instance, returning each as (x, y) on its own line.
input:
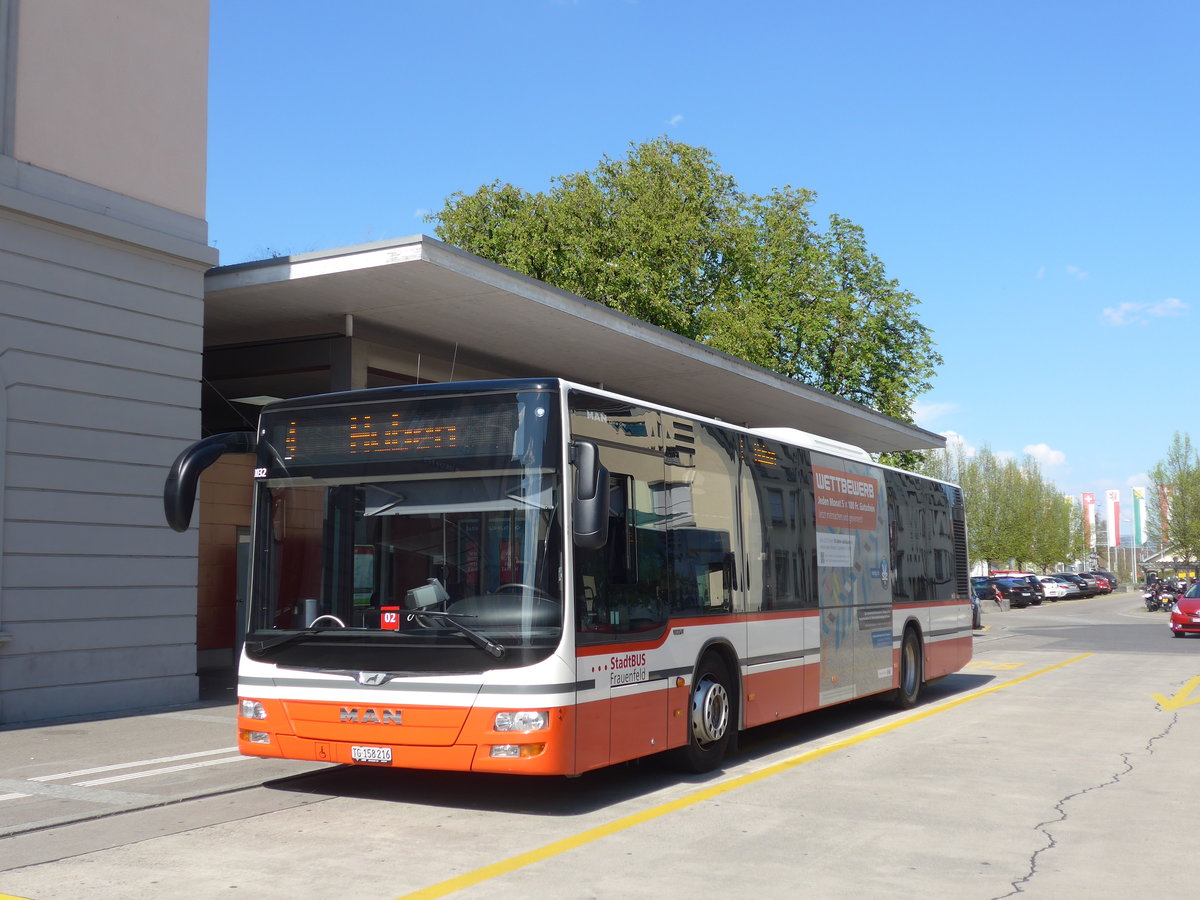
(534, 576)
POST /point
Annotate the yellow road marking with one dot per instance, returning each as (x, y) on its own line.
(1181, 698)
(623, 824)
(977, 664)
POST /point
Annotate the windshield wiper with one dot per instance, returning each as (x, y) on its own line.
(483, 643)
(294, 638)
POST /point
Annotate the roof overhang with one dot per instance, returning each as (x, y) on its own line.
(421, 287)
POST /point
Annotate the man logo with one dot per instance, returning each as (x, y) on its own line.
(373, 679)
(370, 716)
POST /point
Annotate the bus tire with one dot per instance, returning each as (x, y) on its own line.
(911, 675)
(711, 718)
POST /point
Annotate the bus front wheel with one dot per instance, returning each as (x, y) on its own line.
(711, 718)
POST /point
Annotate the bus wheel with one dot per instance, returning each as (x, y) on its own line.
(711, 722)
(910, 671)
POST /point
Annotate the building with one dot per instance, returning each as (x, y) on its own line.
(103, 250)
(109, 325)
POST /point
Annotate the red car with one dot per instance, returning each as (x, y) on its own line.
(1185, 614)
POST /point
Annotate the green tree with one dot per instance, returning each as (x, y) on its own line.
(1177, 477)
(1013, 513)
(664, 235)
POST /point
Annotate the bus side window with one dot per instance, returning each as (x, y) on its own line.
(618, 587)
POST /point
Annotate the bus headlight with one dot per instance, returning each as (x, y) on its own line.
(524, 721)
(252, 709)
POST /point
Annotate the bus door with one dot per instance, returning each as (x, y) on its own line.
(621, 590)
(854, 579)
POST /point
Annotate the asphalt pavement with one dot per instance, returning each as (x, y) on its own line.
(75, 770)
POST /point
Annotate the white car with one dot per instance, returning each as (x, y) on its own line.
(1055, 590)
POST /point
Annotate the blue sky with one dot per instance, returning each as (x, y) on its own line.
(1028, 170)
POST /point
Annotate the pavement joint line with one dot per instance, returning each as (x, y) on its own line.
(156, 802)
(556, 848)
(72, 792)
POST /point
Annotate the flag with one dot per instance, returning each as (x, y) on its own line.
(1139, 516)
(1089, 520)
(1113, 512)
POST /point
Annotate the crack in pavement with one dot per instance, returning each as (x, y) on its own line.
(1060, 807)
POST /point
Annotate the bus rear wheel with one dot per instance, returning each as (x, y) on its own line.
(711, 722)
(911, 676)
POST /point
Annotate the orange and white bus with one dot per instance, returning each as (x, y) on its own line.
(534, 576)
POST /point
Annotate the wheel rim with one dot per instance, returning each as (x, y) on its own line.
(710, 711)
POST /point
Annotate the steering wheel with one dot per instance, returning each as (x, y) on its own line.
(339, 622)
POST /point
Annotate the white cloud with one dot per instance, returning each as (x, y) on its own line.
(925, 414)
(1142, 313)
(1046, 455)
(1041, 273)
(954, 439)
(675, 119)
(1004, 455)
(1077, 272)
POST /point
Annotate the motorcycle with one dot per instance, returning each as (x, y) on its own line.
(1166, 598)
(1162, 598)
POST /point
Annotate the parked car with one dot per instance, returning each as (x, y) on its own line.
(1017, 591)
(1090, 583)
(1038, 590)
(1074, 588)
(1085, 587)
(1023, 576)
(1103, 583)
(1053, 588)
(1185, 613)
(1112, 579)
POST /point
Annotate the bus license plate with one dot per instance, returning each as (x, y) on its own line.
(371, 754)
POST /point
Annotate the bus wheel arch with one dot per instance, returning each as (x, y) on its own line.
(912, 668)
(713, 712)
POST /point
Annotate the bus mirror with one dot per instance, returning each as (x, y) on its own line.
(179, 493)
(590, 505)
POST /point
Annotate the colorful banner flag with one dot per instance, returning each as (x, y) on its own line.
(1113, 512)
(1089, 521)
(1139, 516)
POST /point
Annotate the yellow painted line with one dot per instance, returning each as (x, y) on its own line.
(555, 848)
(1181, 698)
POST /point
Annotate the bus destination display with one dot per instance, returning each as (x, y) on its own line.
(321, 436)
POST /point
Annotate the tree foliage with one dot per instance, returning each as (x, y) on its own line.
(1014, 515)
(664, 235)
(1177, 479)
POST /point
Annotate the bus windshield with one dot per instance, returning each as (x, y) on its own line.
(420, 537)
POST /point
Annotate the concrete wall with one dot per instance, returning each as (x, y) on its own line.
(102, 258)
(115, 94)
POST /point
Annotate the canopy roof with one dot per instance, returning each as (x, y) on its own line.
(428, 291)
